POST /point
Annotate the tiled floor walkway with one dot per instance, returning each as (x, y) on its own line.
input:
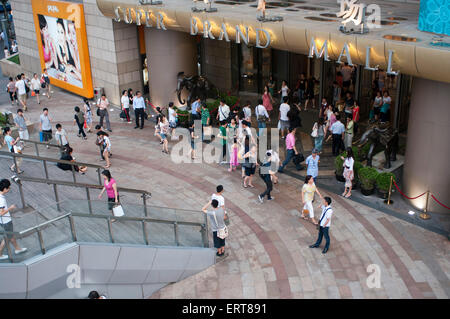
(268, 243)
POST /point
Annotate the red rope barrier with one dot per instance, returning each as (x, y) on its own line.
(396, 186)
(439, 202)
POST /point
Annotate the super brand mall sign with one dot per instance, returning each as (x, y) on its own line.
(241, 34)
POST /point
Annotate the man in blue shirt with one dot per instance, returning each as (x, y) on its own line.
(338, 130)
(195, 109)
(312, 162)
(139, 109)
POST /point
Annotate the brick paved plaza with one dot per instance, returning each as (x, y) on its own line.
(268, 244)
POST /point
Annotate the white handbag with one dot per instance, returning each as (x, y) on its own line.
(222, 233)
(315, 132)
(118, 211)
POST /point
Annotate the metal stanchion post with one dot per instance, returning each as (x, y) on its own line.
(389, 201)
(425, 215)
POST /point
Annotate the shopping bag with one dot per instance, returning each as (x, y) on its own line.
(41, 136)
(33, 93)
(85, 125)
(118, 211)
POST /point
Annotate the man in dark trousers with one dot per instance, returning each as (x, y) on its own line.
(324, 225)
(338, 130)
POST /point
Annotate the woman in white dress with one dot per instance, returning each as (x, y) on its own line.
(348, 172)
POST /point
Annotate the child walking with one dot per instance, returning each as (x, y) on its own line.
(234, 155)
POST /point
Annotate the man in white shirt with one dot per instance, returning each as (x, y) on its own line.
(261, 116)
(338, 130)
(22, 92)
(139, 109)
(125, 101)
(324, 225)
(247, 111)
(103, 105)
(223, 112)
(6, 221)
(218, 196)
(282, 116)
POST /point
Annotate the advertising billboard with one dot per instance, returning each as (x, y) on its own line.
(62, 43)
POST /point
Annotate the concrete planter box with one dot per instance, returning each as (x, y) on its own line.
(10, 68)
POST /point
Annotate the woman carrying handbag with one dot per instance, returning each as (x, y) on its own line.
(113, 194)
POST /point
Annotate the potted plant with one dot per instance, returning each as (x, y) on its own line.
(367, 177)
(383, 181)
(356, 167)
(339, 168)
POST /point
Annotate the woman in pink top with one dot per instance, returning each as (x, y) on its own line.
(111, 190)
(267, 99)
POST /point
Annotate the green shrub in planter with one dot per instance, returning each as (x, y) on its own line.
(364, 151)
(338, 162)
(367, 177)
(183, 117)
(356, 155)
(383, 181)
(356, 167)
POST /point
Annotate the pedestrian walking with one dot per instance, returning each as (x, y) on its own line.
(21, 124)
(6, 221)
(193, 137)
(139, 110)
(338, 130)
(348, 172)
(217, 218)
(21, 87)
(348, 137)
(384, 110)
(250, 166)
(312, 164)
(110, 186)
(355, 117)
(319, 130)
(377, 103)
(106, 148)
(222, 136)
(267, 99)
(266, 172)
(218, 195)
(12, 91)
(301, 88)
(130, 96)
(206, 120)
(45, 125)
(291, 150)
(262, 117)
(103, 105)
(324, 225)
(283, 117)
(247, 111)
(173, 118)
(13, 147)
(61, 136)
(234, 155)
(308, 190)
(78, 119)
(99, 140)
(46, 83)
(284, 90)
(88, 115)
(35, 87)
(223, 113)
(125, 101)
(196, 109)
(163, 131)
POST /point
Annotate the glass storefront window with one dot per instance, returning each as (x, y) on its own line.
(249, 69)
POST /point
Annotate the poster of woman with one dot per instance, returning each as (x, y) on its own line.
(61, 35)
(60, 49)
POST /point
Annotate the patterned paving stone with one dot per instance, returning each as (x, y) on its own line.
(268, 244)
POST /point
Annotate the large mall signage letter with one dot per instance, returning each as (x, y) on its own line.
(62, 43)
(314, 52)
(262, 36)
(240, 34)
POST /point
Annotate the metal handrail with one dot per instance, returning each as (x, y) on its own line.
(38, 228)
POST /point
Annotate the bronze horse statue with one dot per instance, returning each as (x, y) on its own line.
(381, 134)
(197, 85)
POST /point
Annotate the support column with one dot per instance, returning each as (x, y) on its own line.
(428, 148)
(168, 52)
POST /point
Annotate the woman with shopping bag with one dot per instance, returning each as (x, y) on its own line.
(110, 186)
